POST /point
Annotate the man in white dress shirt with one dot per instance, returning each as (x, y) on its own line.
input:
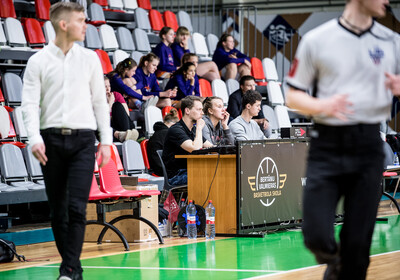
(63, 103)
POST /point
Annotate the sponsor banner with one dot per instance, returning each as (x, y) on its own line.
(272, 177)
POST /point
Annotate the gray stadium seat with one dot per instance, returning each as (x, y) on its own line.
(275, 95)
(12, 86)
(152, 114)
(269, 69)
(142, 19)
(48, 31)
(141, 41)
(96, 14)
(116, 4)
(271, 117)
(137, 56)
(219, 89)
(13, 169)
(3, 39)
(130, 5)
(200, 47)
(282, 116)
(108, 38)
(184, 20)
(232, 85)
(133, 162)
(14, 33)
(212, 41)
(33, 166)
(119, 55)
(125, 39)
(19, 124)
(92, 39)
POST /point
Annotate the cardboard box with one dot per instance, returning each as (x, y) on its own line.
(133, 230)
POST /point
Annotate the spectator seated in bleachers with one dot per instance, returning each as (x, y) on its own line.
(243, 127)
(206, 70)
(122, 81)
(166, 66)
(235, 104)
(185, 81)
(147, 81)
(227, 57)
(123, 127)
(156, 142)
(216, 118)
(184, 137)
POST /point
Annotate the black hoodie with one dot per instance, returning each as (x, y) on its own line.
(156, 142)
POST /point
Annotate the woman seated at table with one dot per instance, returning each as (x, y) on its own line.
(216, 118)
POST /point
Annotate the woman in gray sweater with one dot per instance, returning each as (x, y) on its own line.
(216, 118)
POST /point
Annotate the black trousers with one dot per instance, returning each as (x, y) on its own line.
(68, 175)
(120, 120)
(343, 162)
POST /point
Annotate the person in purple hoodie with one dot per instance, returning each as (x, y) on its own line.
(164, 52)
(185, 80)
(207, 70)
(147, 81)
(227, 57)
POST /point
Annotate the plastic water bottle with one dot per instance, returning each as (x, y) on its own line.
(191, 220)
(182, 205)
(396, 159)
(210, 221)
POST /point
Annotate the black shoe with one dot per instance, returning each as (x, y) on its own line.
(333, 269)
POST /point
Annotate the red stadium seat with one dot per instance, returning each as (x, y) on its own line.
(7, 9)
(143, 147)
(170, 20)
(103, 3)
(205, 88)
(166, 110)
(33, 32)
(156, 20)
(144, 4)
(105, 61)
(116, 158)
(257, 71)
(42, 8)
(11, 133)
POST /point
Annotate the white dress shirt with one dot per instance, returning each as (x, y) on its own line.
(65, 91)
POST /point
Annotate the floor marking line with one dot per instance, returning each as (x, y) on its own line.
(174, 268)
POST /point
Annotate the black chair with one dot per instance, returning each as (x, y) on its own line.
(181, 190)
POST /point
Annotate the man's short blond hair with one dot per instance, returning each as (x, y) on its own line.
(60, 11)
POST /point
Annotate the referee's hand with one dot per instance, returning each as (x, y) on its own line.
(337, 106)
(392, 83)
(103, 155)
(39, 151)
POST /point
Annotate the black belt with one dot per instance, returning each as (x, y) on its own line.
(64, 131)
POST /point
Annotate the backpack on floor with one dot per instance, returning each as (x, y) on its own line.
(7, 251)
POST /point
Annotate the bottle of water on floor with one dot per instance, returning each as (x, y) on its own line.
(182, 205)
(191, 220)
(210, 221)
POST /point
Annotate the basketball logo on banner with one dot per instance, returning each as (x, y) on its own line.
(268, 183)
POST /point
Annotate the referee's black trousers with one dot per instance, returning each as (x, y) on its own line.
(68, 175)
(343, 162)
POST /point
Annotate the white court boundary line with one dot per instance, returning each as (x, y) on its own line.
(172, 268)
(308, 267)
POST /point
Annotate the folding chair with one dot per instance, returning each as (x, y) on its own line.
(7, 9)
(200, 47)
(118, 56)
(232, 85)
(92, 38)
(141, 41)
(49, 32)
(12, 86)
(96, 14)
(34, 33)
(142, 19)
(130, 5)
(144, 4)
(33, 166)
(269, 69)
(182, 189)
(15, 33)
(156, 20)
(257, 71)
(185, 20)
(212, 41)
(143, 147)
(111, 184)
(275, 95)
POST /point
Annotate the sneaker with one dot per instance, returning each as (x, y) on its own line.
(121, 136)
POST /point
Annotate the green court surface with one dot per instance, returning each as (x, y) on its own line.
(234, 258)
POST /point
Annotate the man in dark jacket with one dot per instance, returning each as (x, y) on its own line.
(156, 142)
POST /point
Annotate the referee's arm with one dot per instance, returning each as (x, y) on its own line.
(336, 106)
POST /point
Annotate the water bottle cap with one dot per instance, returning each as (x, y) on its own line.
(182, 199)
(210, 201)
(190, 201)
